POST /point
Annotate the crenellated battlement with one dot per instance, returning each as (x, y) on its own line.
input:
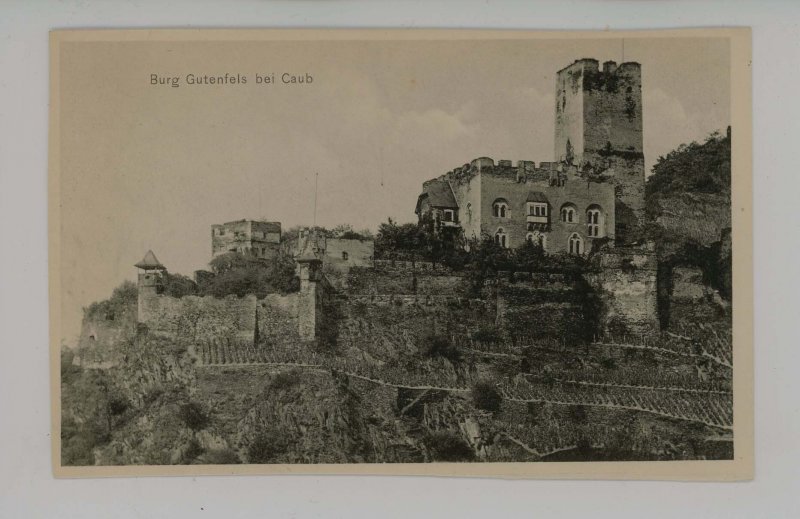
(525, 171)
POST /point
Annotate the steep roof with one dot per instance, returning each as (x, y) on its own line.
(537, 196)
(439, 194)
(150, 262)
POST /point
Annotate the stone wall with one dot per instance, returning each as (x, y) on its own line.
(550, 306)
(359, 253)
(626, 281)
(261, 239)
(278, 318)
(101, 334)
(404, 279)
(196, 319)
(579, 193)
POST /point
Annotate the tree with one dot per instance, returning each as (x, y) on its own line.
(695, 168)
(240, 274)
(528, 257)
(178, 285)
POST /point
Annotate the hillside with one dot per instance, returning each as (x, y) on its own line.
(411, 376)
(689, 209)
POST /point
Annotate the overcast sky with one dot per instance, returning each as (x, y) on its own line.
(152, 167)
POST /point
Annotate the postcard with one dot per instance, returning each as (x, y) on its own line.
(431, 252)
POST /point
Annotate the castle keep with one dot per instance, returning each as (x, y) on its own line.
(593, 191)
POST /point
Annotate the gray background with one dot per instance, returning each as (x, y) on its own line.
(27, 488)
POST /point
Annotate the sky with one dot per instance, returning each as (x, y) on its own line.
(153, 167)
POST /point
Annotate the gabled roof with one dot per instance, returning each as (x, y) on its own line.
(537, 196)
(150, 262)
(439, 194)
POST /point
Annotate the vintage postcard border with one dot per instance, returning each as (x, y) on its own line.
(740, 468)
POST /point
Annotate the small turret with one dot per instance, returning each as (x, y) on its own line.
(150, 283)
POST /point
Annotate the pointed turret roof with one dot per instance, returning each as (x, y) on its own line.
(150, 262)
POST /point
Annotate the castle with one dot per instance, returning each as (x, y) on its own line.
(593, 193)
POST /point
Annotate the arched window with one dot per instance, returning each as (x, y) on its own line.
(500, 238)
(569, 213)
(500, 208)
(537, 238)
(575, 244)
(469, 213)
(595, 225)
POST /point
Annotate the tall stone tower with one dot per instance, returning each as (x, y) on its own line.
(150, 285)
(599, 129)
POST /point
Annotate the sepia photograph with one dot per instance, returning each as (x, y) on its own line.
(499, 253)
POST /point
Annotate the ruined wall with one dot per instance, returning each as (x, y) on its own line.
(262, 239)
(102, 331)
(626, 281)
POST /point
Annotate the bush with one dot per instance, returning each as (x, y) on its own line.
(577, 414)
(177, 285)
(486, 396)
(285, 380)
(117, 405)
(608, 363)
(242, 274)
(448, 446)
(194, 416)
(487, 335)
(267, 447)
(192, 452)
(440, 346)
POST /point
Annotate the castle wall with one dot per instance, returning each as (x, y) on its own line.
(101, 334)
(578, 192)
(467, 192)
(259, 238)
(195, 319)
(600, 113)
(405, 277)
(613, 109)
(278, 318)
(569, 109)
(359, 253)
(626, 280)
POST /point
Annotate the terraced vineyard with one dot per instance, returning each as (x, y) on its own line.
(651, 391)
